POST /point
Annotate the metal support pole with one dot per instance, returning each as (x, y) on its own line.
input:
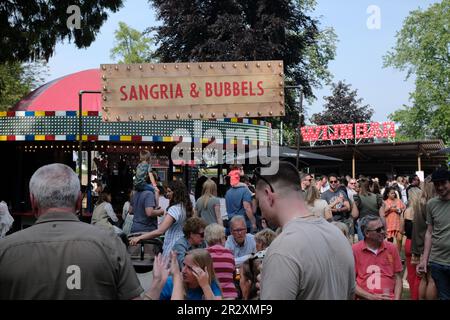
(419, 163)
(353, 166)
(80, 134)
(88, 189)
(300, 124)
(80, 129)
(80, 146)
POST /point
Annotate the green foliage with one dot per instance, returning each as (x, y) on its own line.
(131, 45)
(29, 29)
(343, 106)
(239, 30)
(17, 80)
(422, 50)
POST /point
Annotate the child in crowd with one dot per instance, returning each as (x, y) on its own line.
(144, 172)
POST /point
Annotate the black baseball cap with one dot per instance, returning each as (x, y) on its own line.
(441, 174)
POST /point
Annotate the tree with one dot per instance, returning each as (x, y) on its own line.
(238, 30)
(17, 80)
(131, 45)
(343, 107)
(422, 49)
(31, 28)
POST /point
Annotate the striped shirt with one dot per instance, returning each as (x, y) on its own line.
(175, 231)
(223, 263)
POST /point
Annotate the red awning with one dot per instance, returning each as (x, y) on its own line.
(62, 94)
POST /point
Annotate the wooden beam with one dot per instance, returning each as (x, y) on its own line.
(353, 166)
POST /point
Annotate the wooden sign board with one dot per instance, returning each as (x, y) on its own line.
(207, 90)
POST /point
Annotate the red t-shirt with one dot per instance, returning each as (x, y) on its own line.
(375, 273)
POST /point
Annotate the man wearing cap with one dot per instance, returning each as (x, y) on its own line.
(238, 200)
(60, 257)
(436, 253)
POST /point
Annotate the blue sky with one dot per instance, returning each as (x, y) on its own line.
(358, 58)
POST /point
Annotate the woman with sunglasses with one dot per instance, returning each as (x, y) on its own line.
(194, 238)
(180, 208)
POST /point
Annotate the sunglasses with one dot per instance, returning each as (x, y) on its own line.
(377, 230)
(334, 181)
(257, 176)
(251, 263)
(201, 234)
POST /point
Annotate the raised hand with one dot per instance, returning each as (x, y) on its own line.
(201, 275)
(174, 268)
(160, 269)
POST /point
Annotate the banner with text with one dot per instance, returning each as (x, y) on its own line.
(207, 90)
(352, 131)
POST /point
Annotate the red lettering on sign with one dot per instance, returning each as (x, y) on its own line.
(252, 93)
(208, 89)
(349, 131)
(324, 130)
(260, 87)
(360, 130)
(227, 90)
(133, 94)
(179, 92)
(143, 93)
(163, 91)
(236, 89)
(124, 94)
(244, 88)
(374, 130)
(346, 131)
(218, 89)
(389, 129)
(153, 93)
(335, 134)
(311, 133)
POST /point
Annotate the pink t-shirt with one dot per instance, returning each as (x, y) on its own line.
(375, 273)
(223, 263)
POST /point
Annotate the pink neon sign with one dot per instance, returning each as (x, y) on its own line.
(348, 131)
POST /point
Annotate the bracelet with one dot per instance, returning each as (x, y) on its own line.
(147, 296)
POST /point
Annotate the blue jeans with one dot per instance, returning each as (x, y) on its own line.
(441, 276)
(358, 230)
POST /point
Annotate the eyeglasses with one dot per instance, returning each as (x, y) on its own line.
(259, 255)
(257, 176)
(239, 230)
(378, 230)
(201, 234)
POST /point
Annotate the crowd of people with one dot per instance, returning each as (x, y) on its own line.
(290, 235)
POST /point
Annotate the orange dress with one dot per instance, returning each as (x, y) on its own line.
(393, 217)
